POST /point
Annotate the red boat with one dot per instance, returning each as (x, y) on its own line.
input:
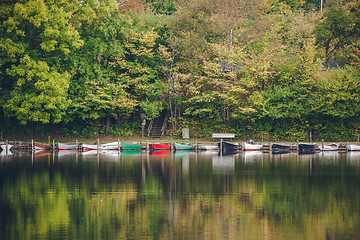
(159, 146)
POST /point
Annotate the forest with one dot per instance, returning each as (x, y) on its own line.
(273, 69)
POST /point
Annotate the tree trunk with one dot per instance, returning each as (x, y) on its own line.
(108, 124)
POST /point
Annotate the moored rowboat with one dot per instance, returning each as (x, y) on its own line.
(63, 146)
(130, 146)
(228, 147)
(252, 147)
(41, 146)
(280, 148)
(159, 146)
(353, 147)
(179, 146)
(305, 148)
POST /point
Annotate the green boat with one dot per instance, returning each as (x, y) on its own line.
(130, 146)
(179, 146)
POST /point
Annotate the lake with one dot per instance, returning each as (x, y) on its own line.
(182, 195)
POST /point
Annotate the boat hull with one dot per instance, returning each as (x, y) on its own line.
(307, 148)
(159, 146)
(63, 146)
(228, 147)
(179, 146)
(252, 147)
(88, 147)
(130, 146)
(208, 147)
(353, 147)
(41, 146)
(280, 148)
(110, 146)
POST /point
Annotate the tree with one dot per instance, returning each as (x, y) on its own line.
(336, 34)
(115, 68)
(37, 38)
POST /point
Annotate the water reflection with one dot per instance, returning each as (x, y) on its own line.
(166, 195)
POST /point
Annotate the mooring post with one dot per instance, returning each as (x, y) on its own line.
(118, 145)
(196, 145)
(220, 145)
(171, 145)
(322, 144)
(76, 145)
(310, 137)
(297, 145)
(98, 144)
(7, 147)
(147, 145)
(32, 144)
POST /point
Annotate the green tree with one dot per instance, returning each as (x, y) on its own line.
(115, 68)
(336, 34)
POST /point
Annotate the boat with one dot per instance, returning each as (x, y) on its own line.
(208, 146)
(252, 147)
(110, 146)
(41, 146)
(305, 148)
(228, 147)
(130, 146)
(3, 147)
(159, 146)
(63, 146)
(88, 147)
(353, 147)
(179, 146)
(329, 147)
(280, 148)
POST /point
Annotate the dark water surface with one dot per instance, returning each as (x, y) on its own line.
(185, 195)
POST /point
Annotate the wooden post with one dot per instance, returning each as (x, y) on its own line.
(77, 145)
(32, 144)
(7, 147)
(49, 140)
(297, 145)
(172, 145)
(310, 137)
(322, 144)
(53, 145)
(98, 144)
(196, 146)
(119, 145)
(220, 146)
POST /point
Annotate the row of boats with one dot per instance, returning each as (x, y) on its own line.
(223, 146)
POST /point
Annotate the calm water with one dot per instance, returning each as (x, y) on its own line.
(138, 195)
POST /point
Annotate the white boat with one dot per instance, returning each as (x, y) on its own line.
(329, 147)
(63, 146)
(3, 147)
(353, 147)
(88, 147)
(208, 146)
(252, 147)
(110, 146)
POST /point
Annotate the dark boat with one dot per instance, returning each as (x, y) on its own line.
(228, 147)
(305, 148)
(280, 148)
